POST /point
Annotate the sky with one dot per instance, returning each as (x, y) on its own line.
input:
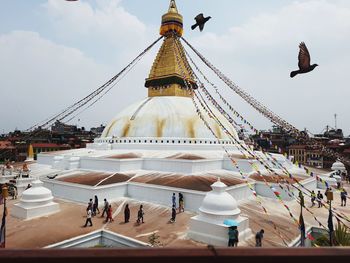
(54, 52)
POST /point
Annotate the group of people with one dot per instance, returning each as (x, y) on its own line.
(233, 237)
(93, 209)
(181, 206)
(319, 197)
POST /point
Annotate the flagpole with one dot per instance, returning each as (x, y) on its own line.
(5, 221)
(301, 220)
(329, 195)
(330, 229)
(4, 193)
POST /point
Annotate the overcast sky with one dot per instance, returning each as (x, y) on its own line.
(55, 52)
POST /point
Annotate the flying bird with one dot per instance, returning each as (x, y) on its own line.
(200, 21)
(304, 61)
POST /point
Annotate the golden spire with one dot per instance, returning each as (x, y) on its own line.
(172, 7)
(170, 74)
(172, 21)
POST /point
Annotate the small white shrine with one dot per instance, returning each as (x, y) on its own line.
(35, 202)
(208, 226)
(339, 166)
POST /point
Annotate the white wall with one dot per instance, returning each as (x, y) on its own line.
(45, 159)
(162, 195)
(110, 165)
(181, 166)
(104, 237)
(263, 190)
(82, 194)
(145, 192)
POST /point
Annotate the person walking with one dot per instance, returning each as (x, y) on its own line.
(89, 206)
(126, 214)
(140, 215)
(88, 217)
(181, 203)
(173, 214)
(313, 198)
(109, 214)
(173, 200)
(105, 207)
(343, 196)
(95, 206)
(259, 237)
(319, 199)
(233, 236)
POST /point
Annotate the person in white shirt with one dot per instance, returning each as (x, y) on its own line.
(88, 217)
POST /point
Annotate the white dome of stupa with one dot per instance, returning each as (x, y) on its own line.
(218, 202)
(35, 202)
(165, 116)
(37, 194)
(338, 166)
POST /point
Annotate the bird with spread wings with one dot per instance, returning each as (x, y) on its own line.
(304, 61)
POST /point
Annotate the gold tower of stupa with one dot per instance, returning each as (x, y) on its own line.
(170, 71)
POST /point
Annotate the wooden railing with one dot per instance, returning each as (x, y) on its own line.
(178, 255)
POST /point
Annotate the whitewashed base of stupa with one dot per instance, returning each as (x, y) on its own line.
(22, 212)
(216, 234)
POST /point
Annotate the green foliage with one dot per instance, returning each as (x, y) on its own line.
(341, 237)
(154, 240)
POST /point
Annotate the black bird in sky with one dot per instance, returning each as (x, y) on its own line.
(200, 21)
(304, 61)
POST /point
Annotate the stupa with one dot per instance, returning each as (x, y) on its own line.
(218, 206)
(35, 202)
(160, 145)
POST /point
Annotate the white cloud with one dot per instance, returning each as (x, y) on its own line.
(105, 27)
(39, 78)
(259, 55)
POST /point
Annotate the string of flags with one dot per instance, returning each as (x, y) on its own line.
(235, 164)
(211, 115)
(276, 193)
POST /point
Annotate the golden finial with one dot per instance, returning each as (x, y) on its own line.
(172, 21)
(172, 7)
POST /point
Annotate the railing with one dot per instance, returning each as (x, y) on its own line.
(183, 255)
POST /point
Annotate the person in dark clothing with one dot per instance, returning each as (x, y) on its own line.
(95, 206)
(319, 199)
(173, 214)
(313, 198)
(88, 217)
(126, 214)
(173, 199)
(105, 207)
(259, 237)
(140, 215)
(181, 203)
(233, 236)
(89, 207)
(343, 195)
